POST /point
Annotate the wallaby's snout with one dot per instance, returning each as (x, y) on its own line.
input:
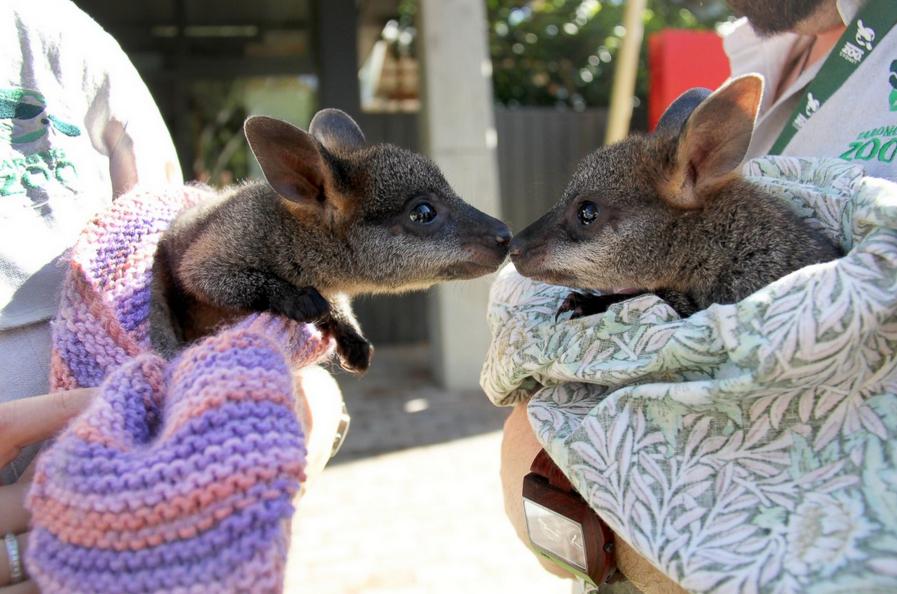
(493, 233)
(532, 251)
(484, 239)
(502, 235)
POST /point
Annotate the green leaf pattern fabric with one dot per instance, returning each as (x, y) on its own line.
(751, 447)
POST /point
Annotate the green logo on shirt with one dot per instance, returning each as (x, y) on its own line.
(35, 171)
(23, 120)
(878, 144)
(24, 117)
(893, 80)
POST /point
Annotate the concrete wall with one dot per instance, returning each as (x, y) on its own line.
(459, 134)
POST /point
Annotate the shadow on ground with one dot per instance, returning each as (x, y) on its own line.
(397, 405)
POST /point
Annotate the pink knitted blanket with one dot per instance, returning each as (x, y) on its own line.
(179, 476)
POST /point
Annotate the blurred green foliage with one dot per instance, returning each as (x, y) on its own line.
(562, 52)
(218, 111)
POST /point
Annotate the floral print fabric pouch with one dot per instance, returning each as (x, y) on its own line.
(751, 447)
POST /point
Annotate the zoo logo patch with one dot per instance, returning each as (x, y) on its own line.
(893, 80)
(22, 107)
(24, 119)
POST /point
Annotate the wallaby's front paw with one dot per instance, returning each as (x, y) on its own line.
(586, 304)
(681, 303)
(303, 305)
(354, 352)
(573, 303)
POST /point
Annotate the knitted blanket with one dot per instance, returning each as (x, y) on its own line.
(751, 447)
(179, 476)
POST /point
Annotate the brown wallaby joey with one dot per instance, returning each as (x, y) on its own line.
(336, 218)
(669, 213)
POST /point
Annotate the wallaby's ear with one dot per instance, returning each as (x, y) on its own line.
(677, 113)
(289, 158)
(337, 131)
(714, 141)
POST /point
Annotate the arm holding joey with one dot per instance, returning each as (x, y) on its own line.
(23, 422)
(320, 406)
(30, 420)
(518, 449)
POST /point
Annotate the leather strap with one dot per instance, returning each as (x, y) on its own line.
(545, 467)
(595, 528)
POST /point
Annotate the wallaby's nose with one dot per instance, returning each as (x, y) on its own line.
(516, 249)
(503, 237)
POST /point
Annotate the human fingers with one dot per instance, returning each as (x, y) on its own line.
(13, 515)
(34, 419)
(26, 587)
(320, 406)
(6, 567)
(519, 447)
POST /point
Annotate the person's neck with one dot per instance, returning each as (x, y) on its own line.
(824, 42)
(821, 46)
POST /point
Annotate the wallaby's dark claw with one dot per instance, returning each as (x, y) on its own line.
(304, 305)
(681, 303)
(572, 303)
(353, 349)
(586, 304)
(355, 353)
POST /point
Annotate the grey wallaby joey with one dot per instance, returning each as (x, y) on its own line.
(337, 218)
(669, 213)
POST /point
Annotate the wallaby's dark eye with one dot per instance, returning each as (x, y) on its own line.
(588, 212)
(423, 213)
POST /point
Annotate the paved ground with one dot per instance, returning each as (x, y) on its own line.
(411, 505)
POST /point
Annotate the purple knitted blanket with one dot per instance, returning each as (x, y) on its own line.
(179, 477)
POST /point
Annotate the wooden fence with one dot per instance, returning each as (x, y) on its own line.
(537, 150)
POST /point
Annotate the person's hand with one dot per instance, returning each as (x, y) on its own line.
(320, 404)
(23, 422)
(519, 447)
(30, 420)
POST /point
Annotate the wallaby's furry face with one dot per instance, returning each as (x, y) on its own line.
(384, 217)
(408, 220)
(611, 225)
(669, 213)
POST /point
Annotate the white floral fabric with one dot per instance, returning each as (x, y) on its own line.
(751, 447)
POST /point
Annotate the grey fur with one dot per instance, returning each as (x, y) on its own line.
(677, 113)
(731, 240)
(251, 249)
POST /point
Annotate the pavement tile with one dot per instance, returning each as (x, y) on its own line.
(412, 504)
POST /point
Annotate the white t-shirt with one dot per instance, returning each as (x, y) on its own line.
(77, 127)
(858, 123)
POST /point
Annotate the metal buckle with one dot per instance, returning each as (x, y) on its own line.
(342, 429)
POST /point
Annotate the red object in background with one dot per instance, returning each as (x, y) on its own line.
(679, 60)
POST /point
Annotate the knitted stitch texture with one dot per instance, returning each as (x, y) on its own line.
(179, 476)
